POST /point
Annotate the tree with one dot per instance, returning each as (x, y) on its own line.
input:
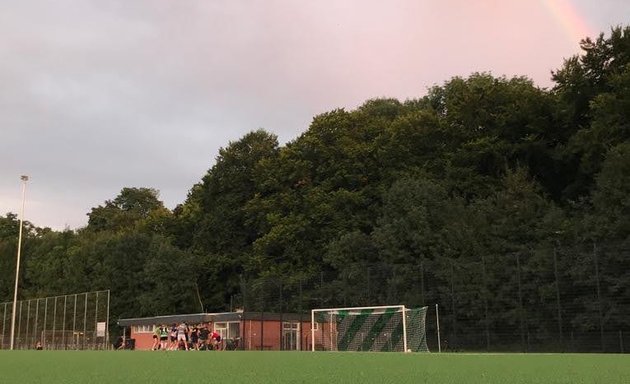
(9, 231)
(170, 280)
(322, 185)
(611, 198)
(488, 125)
(132, 207)
(592, 92)
(48, 270)
(216, 214)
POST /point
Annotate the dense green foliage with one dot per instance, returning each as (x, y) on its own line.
(452, 184)
(69, 367)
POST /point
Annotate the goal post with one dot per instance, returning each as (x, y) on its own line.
(392, 328)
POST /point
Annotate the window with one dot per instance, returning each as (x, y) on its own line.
(221, 329)
(290, 325)
(143, 328)
(234, 330)
(228, 330)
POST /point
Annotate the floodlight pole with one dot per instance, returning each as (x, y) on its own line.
(24, 179)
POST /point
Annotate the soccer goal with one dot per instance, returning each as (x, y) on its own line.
(379, 329)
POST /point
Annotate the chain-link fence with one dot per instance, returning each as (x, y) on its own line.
(551, 299)
(76, 321)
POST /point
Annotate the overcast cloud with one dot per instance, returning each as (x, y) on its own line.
(97, 95)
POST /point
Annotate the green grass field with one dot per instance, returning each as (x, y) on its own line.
(304, 367)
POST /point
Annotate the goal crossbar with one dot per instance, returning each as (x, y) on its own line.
(357, 308)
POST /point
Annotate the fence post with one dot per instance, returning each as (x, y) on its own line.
(19, 329)
(321, 289)
(281, 320)
(246, 337)
(96, 321)
(63, 335)
(36, 321)
(107, 322)
(262, 315)
(345, 288)
(599, 298)
(244, 293)
(4, 317)
(54, 323)
(368, 277)
(313, 331)
(422, 282)
(28, 322)
(45, 320)
(301, 314)
(558, 303)
(453, 310)
(485, 301)
(74, 323)
(85, 320)
(520, 299)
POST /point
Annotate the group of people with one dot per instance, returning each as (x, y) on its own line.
(182, 337)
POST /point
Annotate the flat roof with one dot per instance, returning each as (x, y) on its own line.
(197, 318)
(168, 320)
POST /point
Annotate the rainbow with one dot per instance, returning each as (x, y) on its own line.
(568, 16)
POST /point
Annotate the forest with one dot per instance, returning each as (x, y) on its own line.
(505, 203)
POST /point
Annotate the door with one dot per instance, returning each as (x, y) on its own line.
(290, 336)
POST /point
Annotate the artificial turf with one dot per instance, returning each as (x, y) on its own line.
(83, 367)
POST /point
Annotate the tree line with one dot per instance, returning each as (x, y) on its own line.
(486, 184)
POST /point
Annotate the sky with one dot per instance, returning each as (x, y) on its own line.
(100, 95)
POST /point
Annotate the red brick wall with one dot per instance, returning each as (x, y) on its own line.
(270, 334)
(144, 341)
(271, 337)
(250, 336)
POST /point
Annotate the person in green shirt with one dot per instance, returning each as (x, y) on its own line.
(163, 337)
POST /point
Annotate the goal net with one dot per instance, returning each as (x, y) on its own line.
(378, 329)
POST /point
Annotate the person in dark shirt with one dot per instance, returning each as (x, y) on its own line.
(173, 337)
(203, 337)
(120, 343)
(194, 338)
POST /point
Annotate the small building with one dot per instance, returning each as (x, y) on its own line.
(239, 330)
